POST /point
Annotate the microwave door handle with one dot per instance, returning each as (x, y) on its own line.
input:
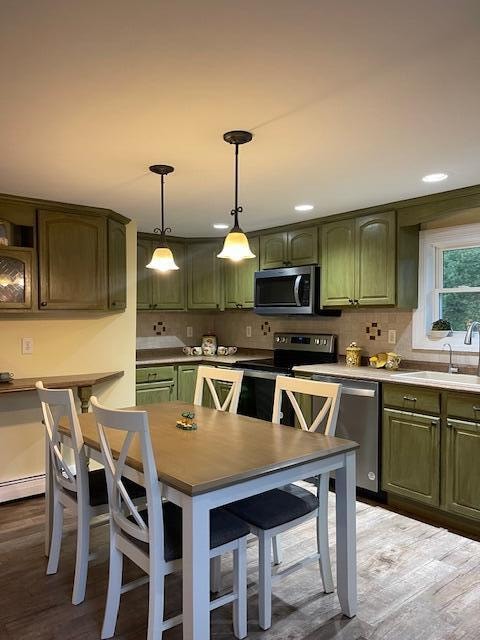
(296, 290)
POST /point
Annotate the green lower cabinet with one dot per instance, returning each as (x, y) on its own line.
(411, 456)
(186, 381)
(461, 468)
(157, 392)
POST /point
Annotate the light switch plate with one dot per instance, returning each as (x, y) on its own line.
(248, 331)
(392, 336)
(27, 346)
(189, 332)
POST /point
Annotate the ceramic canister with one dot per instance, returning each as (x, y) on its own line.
(209, 345)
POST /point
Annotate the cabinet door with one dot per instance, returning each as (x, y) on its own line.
(73, 261)
(16, 282)
(150, 394)
(117, 265)
(144, 275)
(461, 468)
(203, 275)
(187, 378)
(303, 246)
(338, 263)
(411, 446)
(375, 259)
(168, 289)
(273, 250)
(239, 280)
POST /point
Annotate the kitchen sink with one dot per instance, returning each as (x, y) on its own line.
(440, 376)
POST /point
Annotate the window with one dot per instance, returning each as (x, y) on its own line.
(449, 284)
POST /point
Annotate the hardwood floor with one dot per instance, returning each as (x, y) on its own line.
(415, 582)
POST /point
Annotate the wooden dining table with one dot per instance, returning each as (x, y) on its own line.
(230, 457)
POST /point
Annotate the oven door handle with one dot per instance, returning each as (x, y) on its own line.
(296, 290)
(269, 375)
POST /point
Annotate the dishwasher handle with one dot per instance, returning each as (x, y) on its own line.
(355, 391)
(349, 388)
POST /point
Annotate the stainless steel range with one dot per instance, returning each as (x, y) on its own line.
(358, 417)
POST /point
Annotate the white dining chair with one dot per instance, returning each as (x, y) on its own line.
(208, 375)
(152, 538)
(73, 486)
(273, 512)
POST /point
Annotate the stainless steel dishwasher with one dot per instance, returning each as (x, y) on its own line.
(358, 420)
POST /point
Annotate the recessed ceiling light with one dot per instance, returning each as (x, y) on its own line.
(435, 177)
(220, 225)
(303, 207)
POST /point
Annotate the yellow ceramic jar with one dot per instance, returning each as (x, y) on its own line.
(353, 355)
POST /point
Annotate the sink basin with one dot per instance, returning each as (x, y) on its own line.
(439, 376)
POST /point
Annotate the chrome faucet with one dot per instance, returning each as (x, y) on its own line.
(468, 339)
(451, 368)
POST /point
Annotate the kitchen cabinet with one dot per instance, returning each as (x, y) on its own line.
(297, 247)
(72, 261)
(359, 261)
(157, 290)
(156, 384)
(461, 468)
(117, 265)
(186, 381)
(204, 275)
(411, 455)
(239, 279)
(17, 283)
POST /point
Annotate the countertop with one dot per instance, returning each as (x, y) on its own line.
(176, 356)
(383, 375)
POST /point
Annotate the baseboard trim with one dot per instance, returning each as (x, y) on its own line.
(22, 487)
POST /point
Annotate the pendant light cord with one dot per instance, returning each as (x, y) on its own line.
(237, 209)
(162, 230)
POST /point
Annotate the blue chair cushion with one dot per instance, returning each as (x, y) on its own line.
(276, 507)
(224, 528)
(97, 484)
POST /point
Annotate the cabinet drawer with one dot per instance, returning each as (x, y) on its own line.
(155, 374)
(463, 406)
(410, 398)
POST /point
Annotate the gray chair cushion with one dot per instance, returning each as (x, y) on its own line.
(273, 508)
(224, 527)
(97, 484)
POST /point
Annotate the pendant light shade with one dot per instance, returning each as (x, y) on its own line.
(235, 246)
(162, 258)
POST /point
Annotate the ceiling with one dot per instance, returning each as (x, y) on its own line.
(350, 104)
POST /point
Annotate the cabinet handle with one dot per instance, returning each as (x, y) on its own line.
(43, 304)
(410, 398)
(350, 300)
(434, 423)
(476, 408)
(114, 304)
(449, 424)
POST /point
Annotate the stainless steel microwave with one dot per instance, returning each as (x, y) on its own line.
(290, 290)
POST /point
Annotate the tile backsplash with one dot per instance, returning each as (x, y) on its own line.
(367, 327)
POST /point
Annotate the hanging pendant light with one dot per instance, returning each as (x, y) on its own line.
(162, 258)
(236, 245)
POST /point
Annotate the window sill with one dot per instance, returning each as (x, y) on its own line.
(456, 340)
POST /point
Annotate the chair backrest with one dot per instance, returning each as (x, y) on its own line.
(328, 412)
(208, 375)
(58, 404)
(118, 431)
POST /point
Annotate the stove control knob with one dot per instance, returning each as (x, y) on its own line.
(317, 340)
(284, 339)
(277, 339)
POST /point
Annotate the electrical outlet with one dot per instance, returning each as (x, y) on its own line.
(392, 336)
(27, 346)
(189, 332)
(248, 331)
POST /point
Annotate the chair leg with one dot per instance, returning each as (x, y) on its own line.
(56, 538)
(215, 574)
(240, 589)
(264, 581)
(83, 549)
(114, 590)
(277, 551)
(324, 552)
(156, 598)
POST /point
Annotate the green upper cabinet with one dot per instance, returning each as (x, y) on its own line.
(375, 258)
(239, 279)
(289, 248)
(359, 260)
(72, 261)
(168, 289)
(411, 455)
(204, 275)
(117, 265)
(157, 290)
(302, 247)
(273, 250)
(144, 275)
(338, 263)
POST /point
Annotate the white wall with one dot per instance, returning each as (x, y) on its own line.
(63, 344)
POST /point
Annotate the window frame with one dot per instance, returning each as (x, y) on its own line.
(430, 272)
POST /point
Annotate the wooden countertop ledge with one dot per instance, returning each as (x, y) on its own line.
(59, 382)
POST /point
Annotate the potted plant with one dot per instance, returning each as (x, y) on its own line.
(440, 329)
